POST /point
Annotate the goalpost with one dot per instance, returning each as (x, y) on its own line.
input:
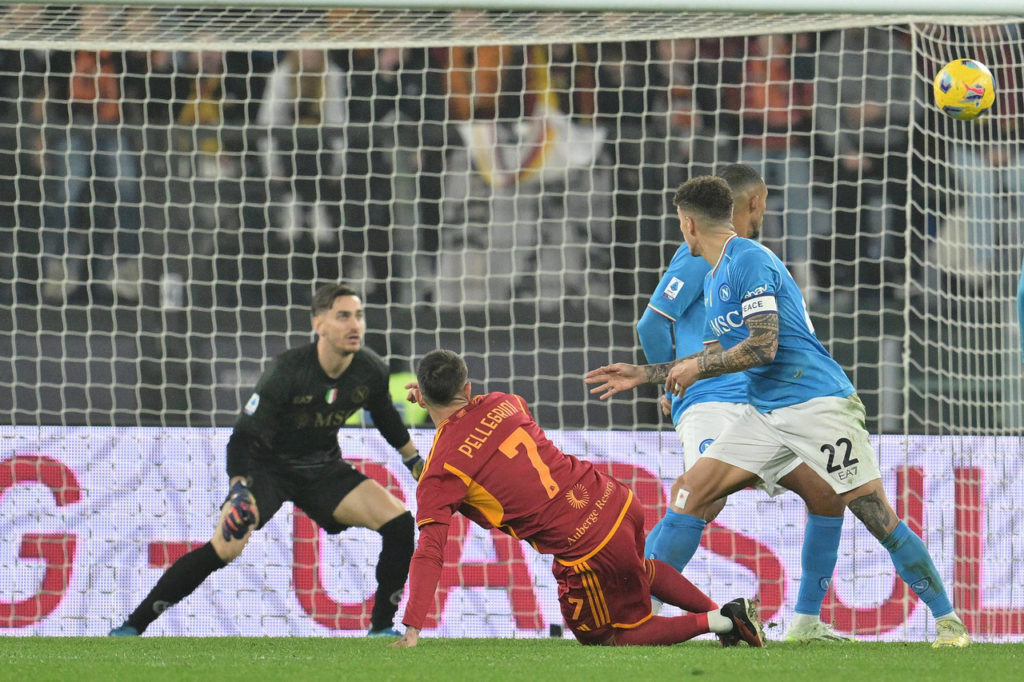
(495, 178)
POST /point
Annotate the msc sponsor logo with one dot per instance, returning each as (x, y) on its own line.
(320, 420)
(722, 324)
(673, 288)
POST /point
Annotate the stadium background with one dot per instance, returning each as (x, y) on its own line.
(496, 182)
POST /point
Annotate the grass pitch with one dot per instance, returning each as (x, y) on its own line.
(490, 660)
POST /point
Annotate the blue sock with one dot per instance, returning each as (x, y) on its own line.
(917, 569)
(818, 561)
(652, 537)
(677, 539)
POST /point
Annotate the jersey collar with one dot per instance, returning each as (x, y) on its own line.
(476, 400)
(721, 256)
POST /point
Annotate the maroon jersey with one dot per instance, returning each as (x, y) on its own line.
(491, 462)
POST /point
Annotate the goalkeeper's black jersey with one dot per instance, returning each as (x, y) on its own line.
(295, 411)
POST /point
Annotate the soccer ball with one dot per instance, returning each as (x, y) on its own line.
(964, 89)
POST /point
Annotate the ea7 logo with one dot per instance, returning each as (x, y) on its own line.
(844, 474)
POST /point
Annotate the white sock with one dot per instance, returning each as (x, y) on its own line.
(718, 623)
(801, 619)
(950, 616)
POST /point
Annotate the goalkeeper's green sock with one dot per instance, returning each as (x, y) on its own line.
(177, 582)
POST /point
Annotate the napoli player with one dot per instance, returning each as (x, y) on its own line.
(802, 405)
(673, 327)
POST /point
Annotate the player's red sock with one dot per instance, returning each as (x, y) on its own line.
(662, 631)
(669, 585)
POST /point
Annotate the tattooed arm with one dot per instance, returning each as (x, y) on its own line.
(757, 349)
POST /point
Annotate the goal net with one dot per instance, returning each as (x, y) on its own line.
(178, 178)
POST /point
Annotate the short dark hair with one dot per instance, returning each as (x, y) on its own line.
(324, 296)
(741, 178)
(707, 195)
(441, 375)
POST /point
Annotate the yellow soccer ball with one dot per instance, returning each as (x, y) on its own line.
(964, 89)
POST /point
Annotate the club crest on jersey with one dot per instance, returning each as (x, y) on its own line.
(704, 444)
(724, 292)
(331, 396)
(673, 289)
(254, 402)
(578, 496)
(360, 394)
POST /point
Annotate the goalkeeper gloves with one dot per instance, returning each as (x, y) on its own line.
(241, 515)
(415, 466)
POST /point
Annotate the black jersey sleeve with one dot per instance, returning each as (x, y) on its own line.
(260, 418)
(382, 409)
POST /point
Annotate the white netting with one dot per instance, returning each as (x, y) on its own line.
(176, 179)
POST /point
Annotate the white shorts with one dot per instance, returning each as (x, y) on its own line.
(827, 434)
(703, 423)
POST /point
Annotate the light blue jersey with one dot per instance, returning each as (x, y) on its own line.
(749, 279)
(675, 317)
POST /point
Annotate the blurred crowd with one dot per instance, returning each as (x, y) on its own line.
(469, 176)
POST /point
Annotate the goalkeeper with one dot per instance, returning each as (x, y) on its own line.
(284, 447)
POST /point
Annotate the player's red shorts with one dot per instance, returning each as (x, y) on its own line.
(610, 589)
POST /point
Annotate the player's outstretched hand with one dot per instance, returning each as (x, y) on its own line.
(410, 638)
(612, 379)
(413, 396)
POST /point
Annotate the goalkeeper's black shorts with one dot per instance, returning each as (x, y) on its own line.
(315, 490)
